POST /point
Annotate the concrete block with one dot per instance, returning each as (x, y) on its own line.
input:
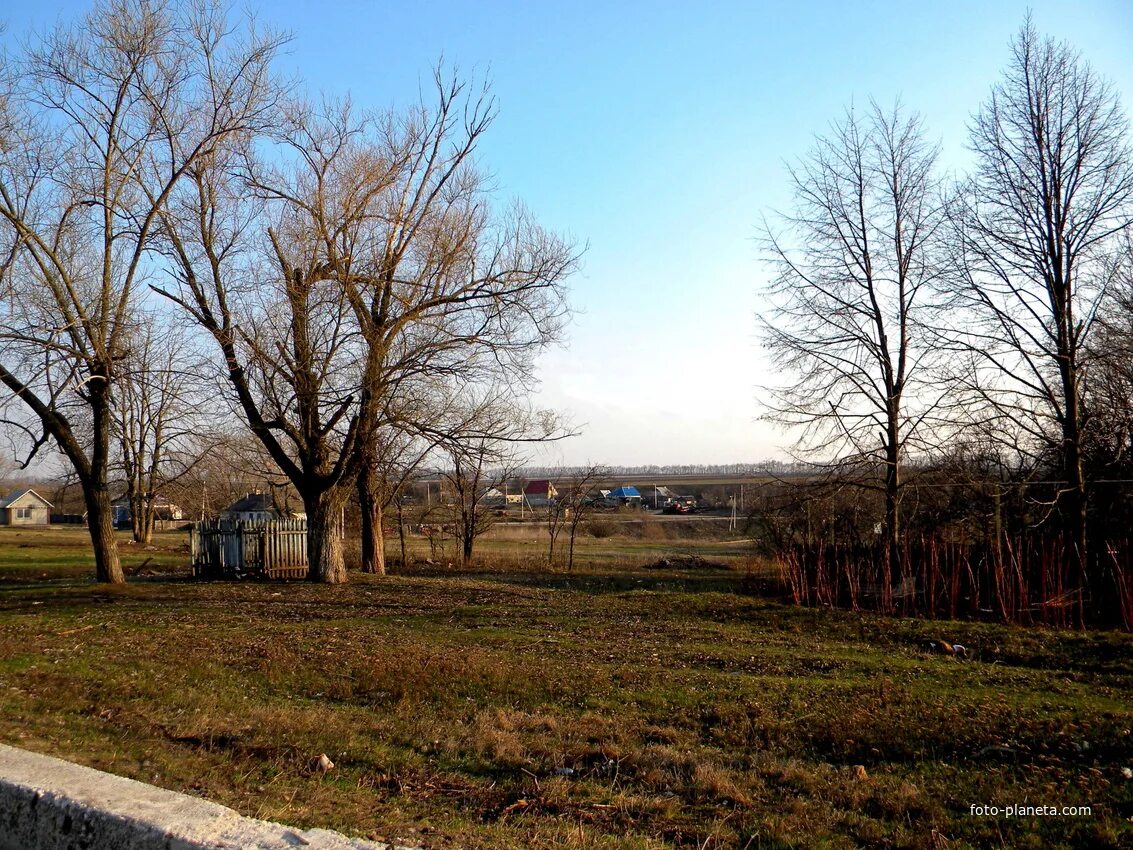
(50, 804)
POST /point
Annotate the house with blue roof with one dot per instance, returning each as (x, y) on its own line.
(625, 496)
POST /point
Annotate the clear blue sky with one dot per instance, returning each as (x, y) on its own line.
(656, 133)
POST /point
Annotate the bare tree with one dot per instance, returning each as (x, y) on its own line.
(572, 504)
(288, 350)
(558, 513)
(1107, 400)
(99, 123)
(158, 414)
(488, 287)
(1109, 396)
(579, 502)
(481, 450)
(853, 265)
(359, 266)
(474, 467)
(1037, 230)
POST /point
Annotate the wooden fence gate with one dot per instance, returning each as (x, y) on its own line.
(228, 549)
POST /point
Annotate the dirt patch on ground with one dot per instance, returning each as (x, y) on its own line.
(685, 562)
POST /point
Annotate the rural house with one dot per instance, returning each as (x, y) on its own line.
(492, 497)
(625, 496)
(25, 507)
(256, 507)
(539, 494)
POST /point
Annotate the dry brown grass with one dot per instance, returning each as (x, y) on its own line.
(619, 709)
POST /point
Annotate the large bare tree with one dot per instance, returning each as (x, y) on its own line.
(281, 325)
(360, 265)
(1038, 230)
(854, 262)
(99, 122)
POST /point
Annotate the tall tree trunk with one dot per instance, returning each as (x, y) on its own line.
(892, 497)
(137, 522)
(401, 532)
(466, 527)
(373, 541)
(149, 513)
(1074, 498)
(96, 489)
(325, 561)
(552, 531)
(100, 523)
(468, 534)
(134, 503)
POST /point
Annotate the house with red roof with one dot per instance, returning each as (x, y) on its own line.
(539, 493)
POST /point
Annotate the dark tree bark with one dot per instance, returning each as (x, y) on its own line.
(324, 536)
(100, 522)
(401, 533)
(96, 490)
(370, 503)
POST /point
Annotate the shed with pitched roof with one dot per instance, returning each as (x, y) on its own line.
(25, 507)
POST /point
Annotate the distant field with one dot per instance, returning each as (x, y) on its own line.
(622, 706)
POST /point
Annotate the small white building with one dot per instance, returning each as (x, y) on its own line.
(25, 507)
(254, 507)
(258, 507)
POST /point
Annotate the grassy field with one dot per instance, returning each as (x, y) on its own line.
(622, 706)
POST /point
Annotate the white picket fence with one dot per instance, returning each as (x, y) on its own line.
(229, 549)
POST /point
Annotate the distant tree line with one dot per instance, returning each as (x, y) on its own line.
(767, 467)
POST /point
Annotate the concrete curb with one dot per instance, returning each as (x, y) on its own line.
(50, 804)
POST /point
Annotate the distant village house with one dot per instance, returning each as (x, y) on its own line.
(539, 494)
(25, 507)
(625, 496)
(257, 507)
(493, 497)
